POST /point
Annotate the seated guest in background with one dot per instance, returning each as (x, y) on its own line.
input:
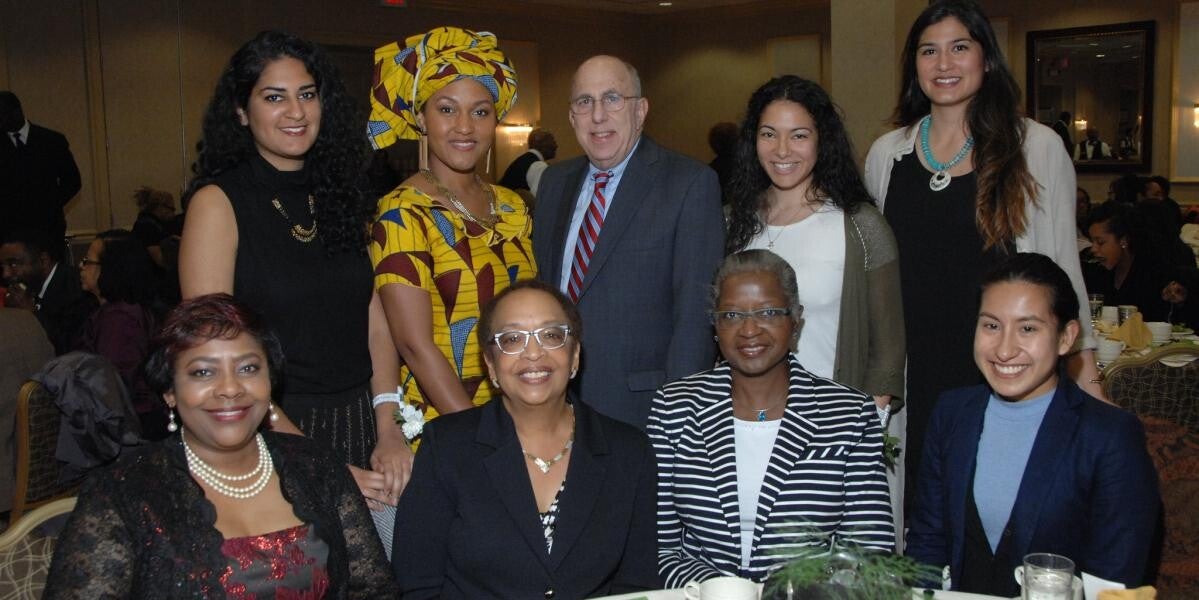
(1142, 268)
(1164, 212)
(1093, 148)
(1126, 188)
(533, 495)
(525, 172)
(119, 273)
(24, 349)
(1029, 462)
(1082, 210)
(758, 457)
(156, 224)
(202, 513)
(36, 281)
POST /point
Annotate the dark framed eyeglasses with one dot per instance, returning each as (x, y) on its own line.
(514, 341)
(764, 316)
(83, 262)
(611, 101)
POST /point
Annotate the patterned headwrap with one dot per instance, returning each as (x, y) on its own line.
(407, 76)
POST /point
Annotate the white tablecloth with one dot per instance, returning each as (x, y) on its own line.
(678, 595)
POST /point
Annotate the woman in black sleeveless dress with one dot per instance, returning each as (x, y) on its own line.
(277, 217)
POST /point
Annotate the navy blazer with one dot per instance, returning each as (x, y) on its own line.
(467, 524)
(644, 299)
(1089, 492)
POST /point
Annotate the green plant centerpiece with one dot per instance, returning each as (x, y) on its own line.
(846, 572)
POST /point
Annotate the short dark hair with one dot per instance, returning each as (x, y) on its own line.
(126, 269)
(201, 319)
(1162, 183)
(9, 102)
(36, 241)
(1038, 269)
(572, 312)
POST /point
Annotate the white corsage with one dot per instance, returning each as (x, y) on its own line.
(411, 420)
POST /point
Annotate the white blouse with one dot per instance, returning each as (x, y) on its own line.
(753, 441)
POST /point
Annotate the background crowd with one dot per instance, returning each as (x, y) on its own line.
(782, 351)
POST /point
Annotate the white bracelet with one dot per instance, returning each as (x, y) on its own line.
(385, 398)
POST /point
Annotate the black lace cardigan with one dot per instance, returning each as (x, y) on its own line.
(143, 529)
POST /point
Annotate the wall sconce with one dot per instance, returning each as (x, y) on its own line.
(1196, 114)
(516, 134)
(1080, 124)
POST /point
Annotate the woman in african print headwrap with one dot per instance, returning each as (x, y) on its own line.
(444, 242)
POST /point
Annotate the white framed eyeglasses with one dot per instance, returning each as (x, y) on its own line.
(514, 341)
(765, 316)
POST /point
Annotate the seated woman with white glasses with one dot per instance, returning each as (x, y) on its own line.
(536, 495)
(758, 459)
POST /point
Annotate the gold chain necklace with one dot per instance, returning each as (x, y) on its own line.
(301, 234)
(545, 465)
(794, 213)
(487, 222)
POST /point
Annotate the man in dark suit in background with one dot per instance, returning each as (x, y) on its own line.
(1062, 128)
(525, 172)
(633, 232)
(38, 175)
(37, 281)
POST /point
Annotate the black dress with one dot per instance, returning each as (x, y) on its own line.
(315, 302)
(942, 262)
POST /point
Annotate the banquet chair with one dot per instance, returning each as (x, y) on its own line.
(25, 552)
(36, 427)
(1166, 399)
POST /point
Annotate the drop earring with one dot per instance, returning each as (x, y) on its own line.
(274, 416)
(487, 165)
(573, 372)
(423, 152)
(172, 426)
(715, 338)
(495, 383)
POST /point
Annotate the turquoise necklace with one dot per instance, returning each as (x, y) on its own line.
(940, 178)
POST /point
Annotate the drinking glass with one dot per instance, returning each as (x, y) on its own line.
(1046, 577)
(1096, 302)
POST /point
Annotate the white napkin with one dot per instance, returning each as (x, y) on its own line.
(1092, 584)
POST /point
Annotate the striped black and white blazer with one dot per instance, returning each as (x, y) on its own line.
(825, 478)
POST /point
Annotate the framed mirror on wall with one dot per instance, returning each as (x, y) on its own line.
(1094, 87)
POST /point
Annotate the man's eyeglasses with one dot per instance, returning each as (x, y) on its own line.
(83, 262)
(765, 316)
(612, 102)
(515, 341)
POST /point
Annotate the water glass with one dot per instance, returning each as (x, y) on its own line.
(1096, 302)
(1046, 577)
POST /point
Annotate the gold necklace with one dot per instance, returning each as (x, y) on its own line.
(771, 240)
(545, 465)
(301, 234)
(487, 222)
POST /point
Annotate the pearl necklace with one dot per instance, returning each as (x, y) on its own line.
(215, 479)
(940, 179)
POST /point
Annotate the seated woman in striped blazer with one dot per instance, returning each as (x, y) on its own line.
(758, 458)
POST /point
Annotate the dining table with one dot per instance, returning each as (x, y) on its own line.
(917, 594)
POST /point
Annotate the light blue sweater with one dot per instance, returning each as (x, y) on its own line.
(1009, 430)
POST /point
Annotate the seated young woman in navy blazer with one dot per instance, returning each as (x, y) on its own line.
(1029, 462)
(530, 495)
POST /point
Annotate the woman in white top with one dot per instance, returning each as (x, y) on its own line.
(965, 182)
(796, 191)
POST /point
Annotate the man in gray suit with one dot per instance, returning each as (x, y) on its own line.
(633, 232)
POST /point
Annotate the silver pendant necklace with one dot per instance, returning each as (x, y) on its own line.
(941, 178)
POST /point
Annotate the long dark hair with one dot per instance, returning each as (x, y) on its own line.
(835, 177)
(994, 119)
(336, 163)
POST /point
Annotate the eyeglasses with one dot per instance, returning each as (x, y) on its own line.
(83, 262)
(550, 337)
(612, 102)
(762, 316)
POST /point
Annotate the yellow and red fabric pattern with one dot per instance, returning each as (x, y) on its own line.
(405, 77)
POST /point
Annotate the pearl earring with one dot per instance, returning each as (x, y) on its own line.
(573, 372)
(274, 415)
(715, 338)
(172, 426)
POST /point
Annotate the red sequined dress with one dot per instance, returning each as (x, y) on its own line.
(285, 565)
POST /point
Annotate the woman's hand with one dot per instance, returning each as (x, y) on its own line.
(371, 484)
(1175, 293)
(393, 459)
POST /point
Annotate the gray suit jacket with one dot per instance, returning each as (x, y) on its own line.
(644, 300)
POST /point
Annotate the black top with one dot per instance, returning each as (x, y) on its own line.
(941, 264)
(316, 303)
(516, 177)
(143, 528)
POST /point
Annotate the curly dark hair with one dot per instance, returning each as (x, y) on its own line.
(336, 163)
(126, 269)
(835, 177)
(994, 118)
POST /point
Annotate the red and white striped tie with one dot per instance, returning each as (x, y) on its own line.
(589, 231)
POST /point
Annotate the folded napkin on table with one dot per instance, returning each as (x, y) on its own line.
(1133, 333)
(1147, 592)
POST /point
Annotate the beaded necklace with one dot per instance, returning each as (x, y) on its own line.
(216, 480)
(940, 179)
